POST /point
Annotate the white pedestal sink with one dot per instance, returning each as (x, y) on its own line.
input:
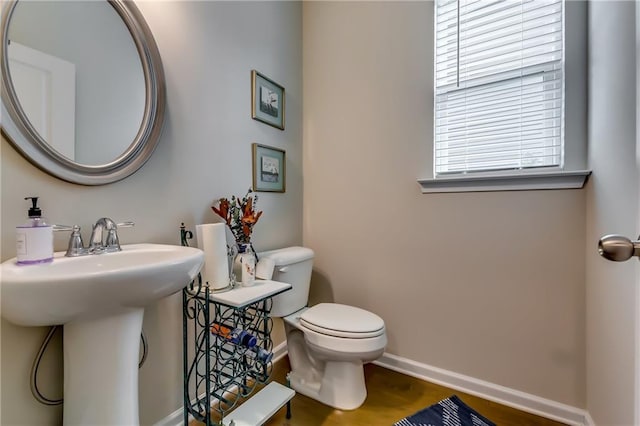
(100, 300)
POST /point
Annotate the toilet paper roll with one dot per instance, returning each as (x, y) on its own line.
(213, 241)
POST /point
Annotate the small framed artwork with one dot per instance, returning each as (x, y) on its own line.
(267, 100)
(269, 171)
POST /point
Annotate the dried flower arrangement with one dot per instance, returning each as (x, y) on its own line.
(240, 214)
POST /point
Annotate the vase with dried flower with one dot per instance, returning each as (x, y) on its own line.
(241, 216)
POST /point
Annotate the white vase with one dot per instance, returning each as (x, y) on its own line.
(247, 260)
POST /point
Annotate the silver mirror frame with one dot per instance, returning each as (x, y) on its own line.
(27, 141)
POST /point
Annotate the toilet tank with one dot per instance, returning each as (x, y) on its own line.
(293, 266)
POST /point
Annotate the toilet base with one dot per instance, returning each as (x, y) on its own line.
(342, 385)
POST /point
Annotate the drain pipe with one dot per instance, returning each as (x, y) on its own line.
(36, 364)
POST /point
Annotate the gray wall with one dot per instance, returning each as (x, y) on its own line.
(208, 50)
(490, 285)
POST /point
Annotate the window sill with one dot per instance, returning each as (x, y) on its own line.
(506, 182)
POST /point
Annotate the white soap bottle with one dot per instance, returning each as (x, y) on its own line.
(34, 239)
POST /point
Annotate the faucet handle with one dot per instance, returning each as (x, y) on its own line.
(112, 242)
(76, 245)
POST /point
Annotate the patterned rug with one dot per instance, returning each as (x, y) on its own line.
(448, 412)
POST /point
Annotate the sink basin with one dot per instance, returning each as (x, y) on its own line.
(100, 300)
(76, 288)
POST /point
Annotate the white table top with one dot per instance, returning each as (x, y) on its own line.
(243, 296)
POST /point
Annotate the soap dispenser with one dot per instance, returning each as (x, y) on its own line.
(34, 239)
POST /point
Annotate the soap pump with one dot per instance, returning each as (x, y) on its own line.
(34, 239)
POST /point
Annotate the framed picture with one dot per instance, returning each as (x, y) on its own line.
(269, 171)
(267, 100)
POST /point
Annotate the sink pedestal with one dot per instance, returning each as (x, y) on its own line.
(101, 369)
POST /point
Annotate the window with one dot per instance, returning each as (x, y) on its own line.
(499, 88)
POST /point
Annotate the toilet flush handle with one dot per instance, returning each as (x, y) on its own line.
(283, 269)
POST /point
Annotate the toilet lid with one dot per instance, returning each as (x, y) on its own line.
(338, 320)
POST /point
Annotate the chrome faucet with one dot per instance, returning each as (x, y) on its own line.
(98, 243)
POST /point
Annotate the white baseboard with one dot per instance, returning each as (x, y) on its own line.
(489, 391)
(175, 418)
(588, 420)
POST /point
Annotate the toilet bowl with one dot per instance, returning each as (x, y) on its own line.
(328, 343)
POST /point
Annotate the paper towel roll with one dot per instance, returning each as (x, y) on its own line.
(213, 241)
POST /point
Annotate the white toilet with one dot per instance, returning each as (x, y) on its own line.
(327, 343)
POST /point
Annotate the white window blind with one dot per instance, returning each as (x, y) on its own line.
(499, 85)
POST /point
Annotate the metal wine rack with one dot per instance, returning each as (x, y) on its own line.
(217, 372)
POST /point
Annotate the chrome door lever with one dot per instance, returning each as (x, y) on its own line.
(618, 248)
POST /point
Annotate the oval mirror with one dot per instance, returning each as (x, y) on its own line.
(83, 91)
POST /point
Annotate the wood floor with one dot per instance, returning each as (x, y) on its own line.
(391, 397)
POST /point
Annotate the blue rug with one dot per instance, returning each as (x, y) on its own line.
(448, 412)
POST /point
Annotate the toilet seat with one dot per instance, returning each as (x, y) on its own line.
(337, 320)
